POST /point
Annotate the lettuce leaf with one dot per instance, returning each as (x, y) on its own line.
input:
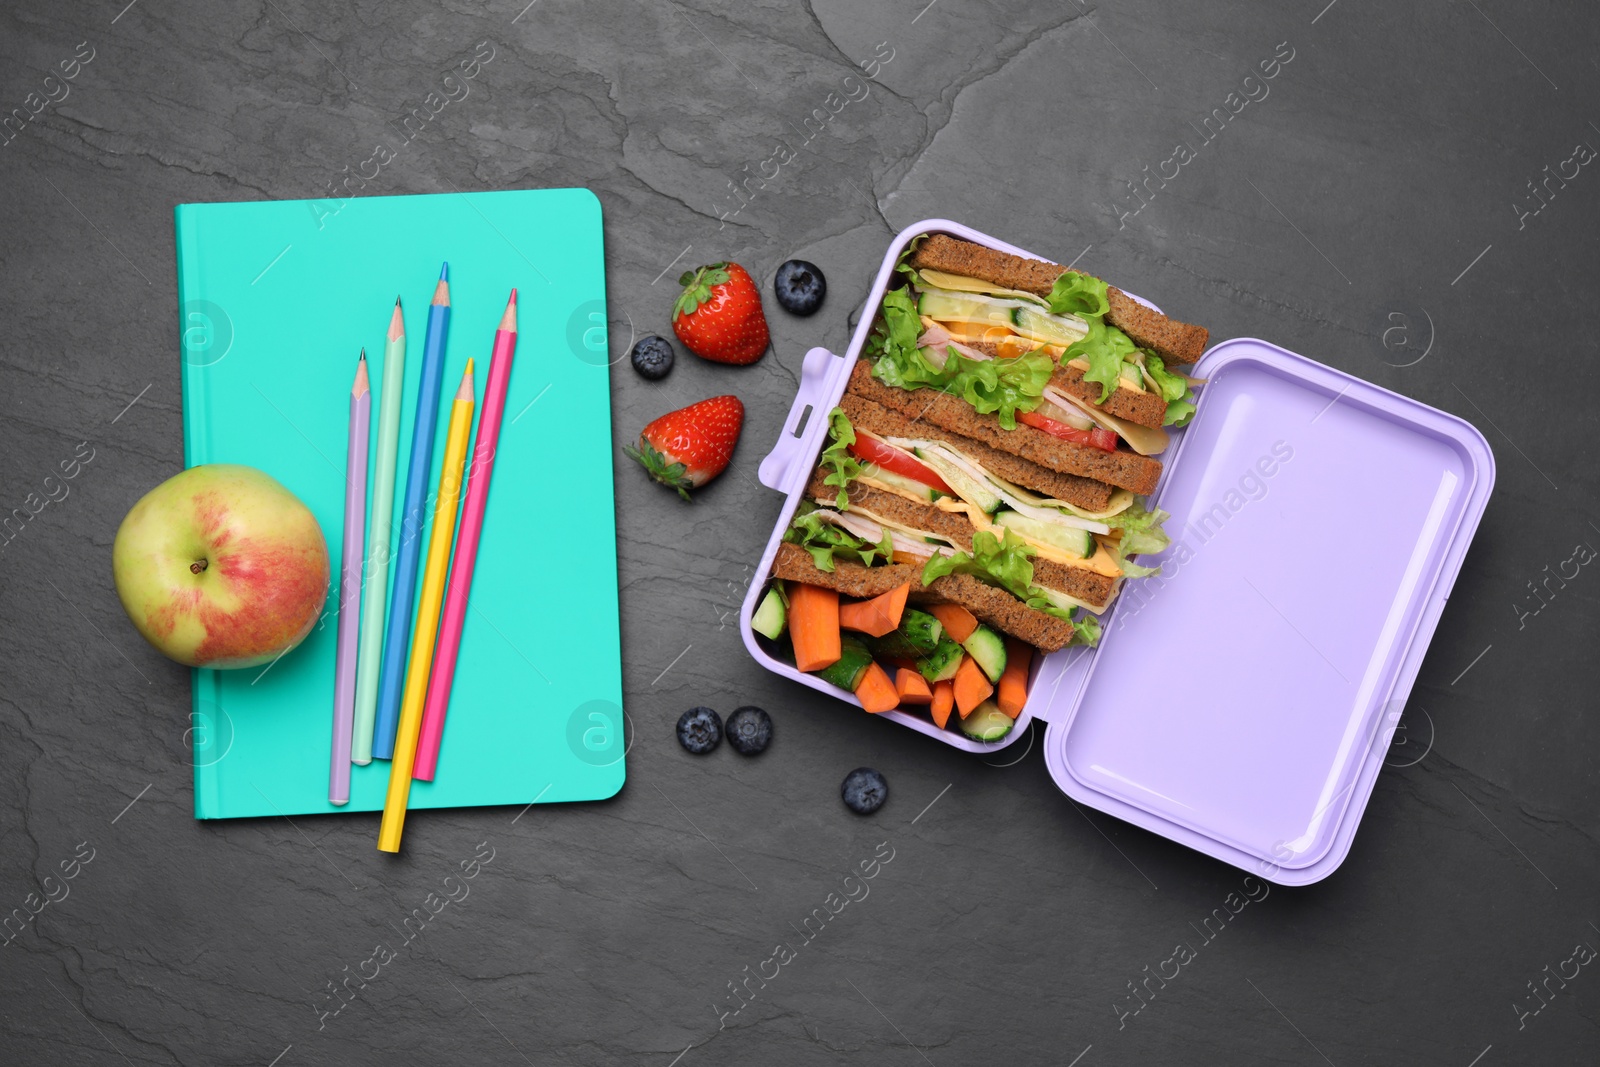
(841, 465)
(1000, 387)
(903, 267)
(1106, 348)
(827, 542)
(1169, 385)
(1173, 389)
(895, 338)
(999, 563)
(1087, 628)
(1079, 294)
(1141, 534)
(1179, 412)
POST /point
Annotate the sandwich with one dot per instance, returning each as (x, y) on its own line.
(1109, 355)
(990, 455)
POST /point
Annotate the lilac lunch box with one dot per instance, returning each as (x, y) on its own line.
(1242, 702)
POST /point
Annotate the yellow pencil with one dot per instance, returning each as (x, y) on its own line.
(427, 627)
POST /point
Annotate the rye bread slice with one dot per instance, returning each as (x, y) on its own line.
(1088, 586)
(1145, 409)
(1123, 469)
(996, 607)
(1174, 341)
(1086, 493)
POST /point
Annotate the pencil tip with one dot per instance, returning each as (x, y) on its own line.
(363, 358)
(397, 301)
(513, 296)
(444, 271)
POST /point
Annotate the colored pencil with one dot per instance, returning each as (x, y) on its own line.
(433, 577)
(355, 534)
(376, 593)
(391, 676)
(466, 554)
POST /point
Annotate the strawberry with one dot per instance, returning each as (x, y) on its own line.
(718, 315)
(685, 449)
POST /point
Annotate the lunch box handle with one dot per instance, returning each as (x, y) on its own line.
(802, 418)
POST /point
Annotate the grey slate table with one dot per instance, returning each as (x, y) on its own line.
(1407, 198)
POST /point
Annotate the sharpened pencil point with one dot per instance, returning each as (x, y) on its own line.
(363, 382)
(508, 320)
(467, 391)
(397, 322)
(444, 271)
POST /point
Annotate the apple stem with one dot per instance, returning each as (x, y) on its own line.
(197, 566)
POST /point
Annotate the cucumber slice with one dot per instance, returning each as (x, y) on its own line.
(967, 488)
(941, 664)
(1041, 326)
(771, 618)
(987, 722)
(966, 307)
(1078, 542)
(899, 484)
(917, 635)
(986, 647)
(846, 671)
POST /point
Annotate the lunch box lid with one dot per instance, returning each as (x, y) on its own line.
(1242, 701)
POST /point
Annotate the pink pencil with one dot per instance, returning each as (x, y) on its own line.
(466, 550)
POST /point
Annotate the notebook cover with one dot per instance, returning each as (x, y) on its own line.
(276, 299)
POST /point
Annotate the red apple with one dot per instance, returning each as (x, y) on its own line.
(221, 566)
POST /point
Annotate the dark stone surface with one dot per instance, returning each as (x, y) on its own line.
(1385, 161)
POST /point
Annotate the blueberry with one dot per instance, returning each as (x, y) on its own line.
(864, 790)
(699, 730)
(652, 357)
(749, 730)
(800, 287)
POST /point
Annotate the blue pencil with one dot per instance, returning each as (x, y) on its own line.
(397, 638)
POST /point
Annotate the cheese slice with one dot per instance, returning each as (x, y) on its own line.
(957, 283)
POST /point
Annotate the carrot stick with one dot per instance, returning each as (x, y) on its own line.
(875, 691)
(814, 626)
(877, 616)
(944, 698)
(972, 686)
(911, 686)
(1014, 680)
(958, 621)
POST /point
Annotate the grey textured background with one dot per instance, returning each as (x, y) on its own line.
(1387, 158)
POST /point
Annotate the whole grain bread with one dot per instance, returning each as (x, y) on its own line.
(1123, 469)
(1086, 493)
(1088, 586)
(1174, 341)
(1145, 409)
(995, 607)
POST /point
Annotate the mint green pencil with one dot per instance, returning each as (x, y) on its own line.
(375, 597)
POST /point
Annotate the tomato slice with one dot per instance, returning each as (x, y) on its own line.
(1095, 438)
(898, 461)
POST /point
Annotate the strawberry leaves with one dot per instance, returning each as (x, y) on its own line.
(697, 286)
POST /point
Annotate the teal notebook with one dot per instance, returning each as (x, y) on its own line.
(276, 300)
